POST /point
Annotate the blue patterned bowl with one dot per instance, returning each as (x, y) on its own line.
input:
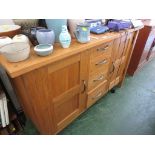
(43, 49)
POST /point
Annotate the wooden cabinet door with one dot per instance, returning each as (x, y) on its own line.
(117, 53)
(66, 90)
(114, 55)
(125, 58)
(118, 60)
(121, 50)
(52, 96)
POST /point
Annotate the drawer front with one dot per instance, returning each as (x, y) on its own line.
(97, 93)
(96, 79)
(102, 50)
(99, 64)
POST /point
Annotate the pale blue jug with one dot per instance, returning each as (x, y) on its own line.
(82, 32)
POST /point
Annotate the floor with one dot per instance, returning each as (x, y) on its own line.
(130, 110)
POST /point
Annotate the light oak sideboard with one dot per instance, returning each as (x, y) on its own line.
(56, 89)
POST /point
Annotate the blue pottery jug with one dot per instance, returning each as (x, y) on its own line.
(64, 37)
(56, 25)
(82, 32)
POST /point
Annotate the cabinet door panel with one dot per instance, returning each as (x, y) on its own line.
(115, 49)
(65, 90)
(119, 51)
(65, 109)
(34, 86)
(121, 47)
(127, 54)
(64, 79)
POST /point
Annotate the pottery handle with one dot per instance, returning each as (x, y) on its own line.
(76, 33)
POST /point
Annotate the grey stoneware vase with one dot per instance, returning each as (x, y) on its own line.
(56, 26)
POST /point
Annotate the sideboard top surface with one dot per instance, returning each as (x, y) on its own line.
(35, 61)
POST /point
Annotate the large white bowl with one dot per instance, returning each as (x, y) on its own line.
(8, 28)
(15, 52)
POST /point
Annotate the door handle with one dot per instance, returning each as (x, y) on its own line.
(84, 86)
(113, 68)
(101, 62)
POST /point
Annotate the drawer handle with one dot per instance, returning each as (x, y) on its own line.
(99, 79)
(102, 49)
(101, 62)
(97, 96)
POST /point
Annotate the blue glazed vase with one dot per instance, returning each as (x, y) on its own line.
(64, 37)
(56, 25)
(45, 36)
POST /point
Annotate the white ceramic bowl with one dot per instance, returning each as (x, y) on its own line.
(43, 49)
(15, 52)
(7, 28)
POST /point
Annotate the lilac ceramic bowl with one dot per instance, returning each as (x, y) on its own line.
(45, 36)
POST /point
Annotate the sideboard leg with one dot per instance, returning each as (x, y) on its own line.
(112, 90)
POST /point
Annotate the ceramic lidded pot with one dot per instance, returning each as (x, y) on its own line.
(82, 32)
(5, 40)
(16, 51)
(56, 26)
(20, 38)
(64, 37)
(45, 36)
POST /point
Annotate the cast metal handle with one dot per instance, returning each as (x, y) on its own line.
(97, 96)
(84, 86)
(102, 49)
(99, 79)
(113, 68)
(101, 62)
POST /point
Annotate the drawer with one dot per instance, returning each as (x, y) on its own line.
(99, 64)
(102, 50)
(97, 93)
(96, 79)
